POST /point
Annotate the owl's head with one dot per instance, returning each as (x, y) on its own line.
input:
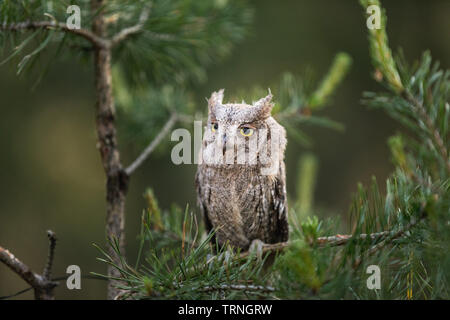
(242, 134)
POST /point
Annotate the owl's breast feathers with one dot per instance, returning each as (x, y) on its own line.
(242, 205)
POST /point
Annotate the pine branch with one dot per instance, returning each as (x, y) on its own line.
(153, 144)
(336, 240)
(33, 25)
(339, 240)
(391, 237)
(241, 287)
(42, 285)
(322, 94)
(436, 137)
(382, 58)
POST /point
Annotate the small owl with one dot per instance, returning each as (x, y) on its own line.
(241, 179)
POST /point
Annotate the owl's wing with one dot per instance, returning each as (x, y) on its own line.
(202, 197)
(280, 207)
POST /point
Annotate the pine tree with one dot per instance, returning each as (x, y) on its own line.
(402, 234)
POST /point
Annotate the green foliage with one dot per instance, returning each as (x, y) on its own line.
(422, 107)
(307, 176)
(177, 264)
(144, 110)
(177, 41)
(180, 37)
(337, 72)
(296, 97)
(27, 46)
(300, 266)
(156, 68)
(404, 231)
(380, 51)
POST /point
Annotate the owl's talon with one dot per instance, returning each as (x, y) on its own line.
(257, 247)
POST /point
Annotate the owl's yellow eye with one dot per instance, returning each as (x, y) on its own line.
(246, 131)
(214, 126)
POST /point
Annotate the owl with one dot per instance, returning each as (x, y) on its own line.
(241, 179)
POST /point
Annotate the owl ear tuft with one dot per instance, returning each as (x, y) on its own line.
(264, 106)
(215, 99)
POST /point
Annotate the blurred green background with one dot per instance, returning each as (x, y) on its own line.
(51, 176)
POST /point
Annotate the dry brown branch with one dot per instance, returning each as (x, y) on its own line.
(41, 284)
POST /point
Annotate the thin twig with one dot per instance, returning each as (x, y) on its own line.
(16, 294)
(155, 142)
(51, 254)
(125, 33)
(32, 25)
(21, 269)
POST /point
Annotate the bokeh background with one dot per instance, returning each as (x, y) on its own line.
(51, 176)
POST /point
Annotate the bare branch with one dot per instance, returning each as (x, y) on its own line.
(125, 33)
(43, 286)
(32, 25)
(155, 142)
(21, 269)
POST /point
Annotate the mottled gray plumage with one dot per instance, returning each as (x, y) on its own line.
(247, 201)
